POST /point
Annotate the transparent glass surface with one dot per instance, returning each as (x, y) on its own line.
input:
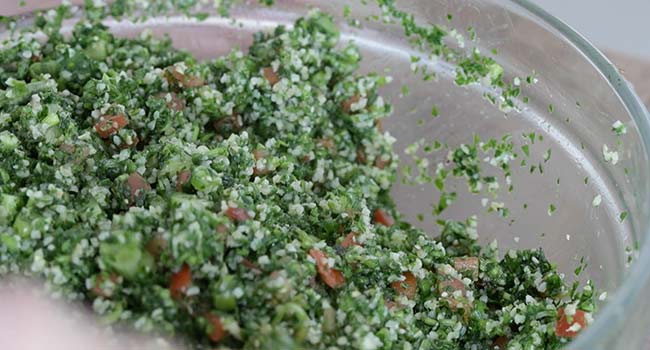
(587, 94)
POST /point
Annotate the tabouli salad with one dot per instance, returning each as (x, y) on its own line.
(243, 202)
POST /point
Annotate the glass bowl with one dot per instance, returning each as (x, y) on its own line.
(579, 95)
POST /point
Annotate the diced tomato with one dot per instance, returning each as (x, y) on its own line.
(563, 326)
(175, 103)
(80, 158)
(180, 281)
(110, 124)
(67, 148)
(361, 156)
(350, 240)
(182, 178)
(390, 304)
(332, 277)
(228, 123)
(270, 75)
(137, 184)
(467, 265)
(222, 229)
(500, 343)
(379, 125)
(237, 214)
(156, 246)
(99, 281)
(346, 106)
(383, 218)
(381, 163)
(260, 154)
(408, 287)
(216, 331)
(450, 286)
(327, 143)
(173, 76)
(251, 266)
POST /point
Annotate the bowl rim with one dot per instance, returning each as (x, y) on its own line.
(625, 296)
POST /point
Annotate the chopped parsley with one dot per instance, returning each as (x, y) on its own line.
(244, 202)
(619, 128)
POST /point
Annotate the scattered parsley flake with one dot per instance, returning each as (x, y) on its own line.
(597, 200)
(547, 155)
(622, 216)
(619, 128)
(551, 209)
(434, 111)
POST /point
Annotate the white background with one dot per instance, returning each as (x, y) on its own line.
(622, 25)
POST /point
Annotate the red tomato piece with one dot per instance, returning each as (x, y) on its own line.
(383, 218)
(180, 281)
(110, 124)
(270, 75)
(216, 331)
(350, 240)
(381, 163)
(451, 286)
(67, 148)
(99, 281)
(468, 264)
(379, 125)
(237, 214)
(251, 266)
(182, 178)
(183, 80)
(228, 123)
(408, 287)
(390, 304)
(327, 143)
(175, 103)
(563, 326)
(137, 184)
(361, 156)
(346, 106)
(500, 343)
(260, 154)
(222, 229)
(155, 246)
(332, 277)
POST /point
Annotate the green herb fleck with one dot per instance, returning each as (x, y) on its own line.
(434, 111)
(551, 209)
(619, 128)
(547, 155)
(622, 216)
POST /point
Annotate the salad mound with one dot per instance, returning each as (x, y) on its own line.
(243, 202)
